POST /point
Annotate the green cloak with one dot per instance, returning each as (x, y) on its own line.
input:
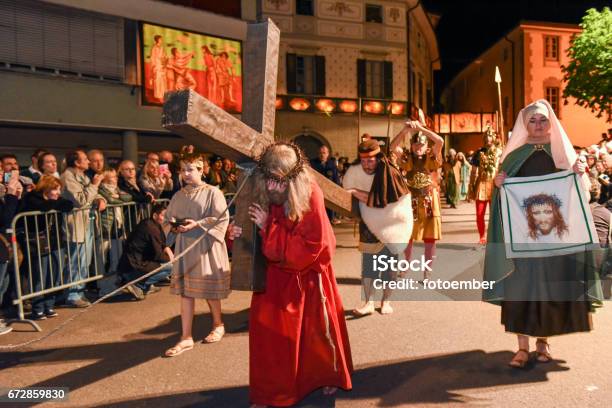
(497, 267)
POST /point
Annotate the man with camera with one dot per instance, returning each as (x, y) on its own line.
(83, 193)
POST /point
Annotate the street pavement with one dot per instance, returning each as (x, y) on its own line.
(427, 353)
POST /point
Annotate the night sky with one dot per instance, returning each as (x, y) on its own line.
(467, 28)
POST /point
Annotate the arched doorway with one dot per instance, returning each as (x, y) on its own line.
(311, 142)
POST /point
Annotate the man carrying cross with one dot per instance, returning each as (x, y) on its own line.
(298, 340)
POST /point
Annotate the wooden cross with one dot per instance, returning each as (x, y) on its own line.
(212, 129)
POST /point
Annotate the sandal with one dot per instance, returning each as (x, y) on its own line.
(385, 308)
(543, 356)
(179, 348)
(517, 362)
(215, 334)
(364, 310)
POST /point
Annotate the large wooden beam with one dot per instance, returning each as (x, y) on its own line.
(261, 71)
(209, 127)
(212, 129)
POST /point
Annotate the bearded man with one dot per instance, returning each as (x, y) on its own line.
(386, 218)
(298, 340)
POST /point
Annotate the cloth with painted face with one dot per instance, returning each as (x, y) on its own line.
(539, 296)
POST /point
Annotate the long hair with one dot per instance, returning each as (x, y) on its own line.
(545, 199)
(281, 159)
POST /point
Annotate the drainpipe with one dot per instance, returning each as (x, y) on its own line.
(410, 90)
(513, 80)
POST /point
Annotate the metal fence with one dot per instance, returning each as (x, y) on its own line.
(62, 252)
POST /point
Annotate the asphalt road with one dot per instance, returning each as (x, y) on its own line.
(427, 353)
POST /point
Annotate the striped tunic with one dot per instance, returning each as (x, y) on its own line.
(203, 272)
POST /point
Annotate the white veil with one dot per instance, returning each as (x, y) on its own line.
(562, 150)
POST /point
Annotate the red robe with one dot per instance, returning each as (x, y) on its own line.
(291, 354)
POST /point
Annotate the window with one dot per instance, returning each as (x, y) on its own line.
(305, 74)
(419, 40)
(374, 13)
(304, 7)
(375, 79)
(53, 39)
(551, 48)
(552, 96)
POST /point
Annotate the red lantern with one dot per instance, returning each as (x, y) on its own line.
(299, 104)
(348, 106)
(374, 107)
(280, 103)
(325, 105)
(396, 108)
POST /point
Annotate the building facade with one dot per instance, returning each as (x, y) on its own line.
(529, 59)
(71, 72)
(74, 73)
(351, 67)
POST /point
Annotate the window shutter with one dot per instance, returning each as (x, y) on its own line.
(51, 37)
(291, 75)
(361, 78)
(388, 79)
(320, 75)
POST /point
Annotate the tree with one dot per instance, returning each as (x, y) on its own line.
(589, 73)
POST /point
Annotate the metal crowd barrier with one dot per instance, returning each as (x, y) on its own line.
(68, 250)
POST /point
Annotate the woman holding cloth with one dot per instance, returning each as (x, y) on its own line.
(539, 297)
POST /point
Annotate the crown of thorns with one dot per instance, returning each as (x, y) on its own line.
(542, 199)
(291, 174)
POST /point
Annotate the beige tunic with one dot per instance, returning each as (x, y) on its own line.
(203, 272)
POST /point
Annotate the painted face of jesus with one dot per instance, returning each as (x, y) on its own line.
(191, 174)
(277, 191)
(543, 216)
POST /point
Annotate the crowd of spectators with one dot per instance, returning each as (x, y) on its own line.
(90, 222)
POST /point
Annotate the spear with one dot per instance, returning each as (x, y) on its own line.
(501, 112)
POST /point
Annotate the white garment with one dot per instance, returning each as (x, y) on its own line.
(392, 225)
(573, 208)
(561, 147)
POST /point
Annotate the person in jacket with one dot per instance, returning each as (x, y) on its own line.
(83, 193)
(146, 250)
(45, 242)
(9, 203)
(112, 220)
